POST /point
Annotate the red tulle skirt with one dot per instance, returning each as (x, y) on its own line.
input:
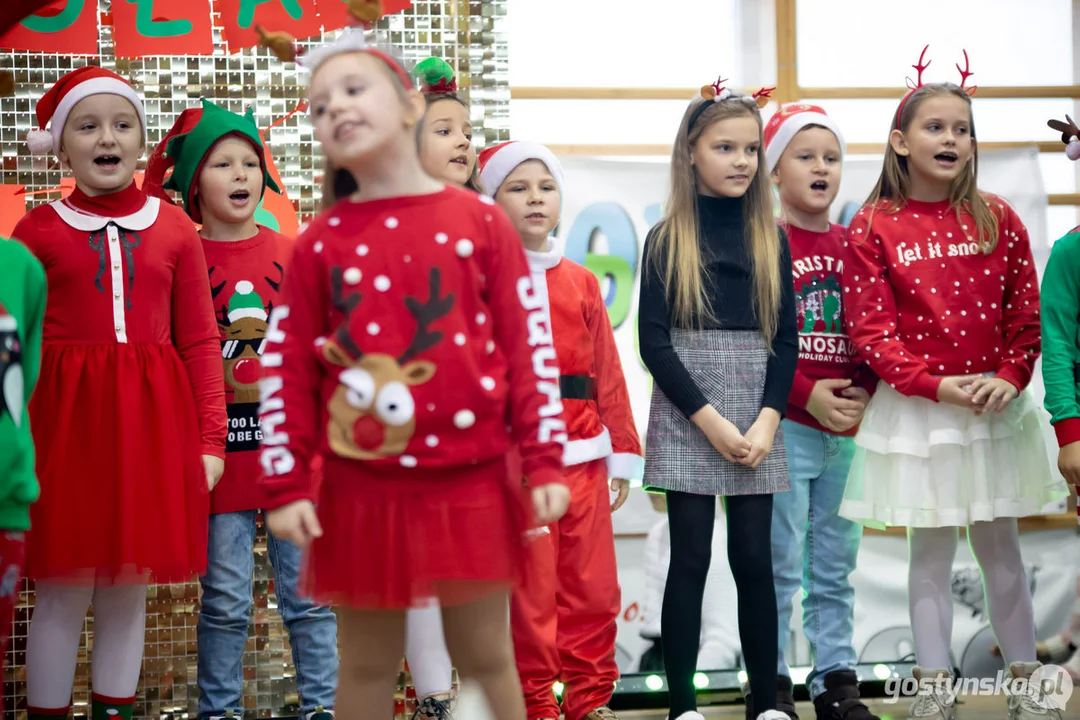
(119, 460)
(400, 540)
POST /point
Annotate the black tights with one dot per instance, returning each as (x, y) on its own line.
(690, 522)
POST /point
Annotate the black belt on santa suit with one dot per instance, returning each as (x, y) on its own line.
(577, 387)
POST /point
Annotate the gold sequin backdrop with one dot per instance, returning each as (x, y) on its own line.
(469, 34)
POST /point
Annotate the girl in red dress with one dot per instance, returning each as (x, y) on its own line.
(129, 415)
(408, 338)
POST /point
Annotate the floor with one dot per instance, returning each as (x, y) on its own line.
(471, 706)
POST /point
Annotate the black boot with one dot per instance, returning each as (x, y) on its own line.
(840, 701)
(785, 699)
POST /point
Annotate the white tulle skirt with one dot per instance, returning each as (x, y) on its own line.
(924, 464)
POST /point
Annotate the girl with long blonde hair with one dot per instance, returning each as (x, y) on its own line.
(718, 333)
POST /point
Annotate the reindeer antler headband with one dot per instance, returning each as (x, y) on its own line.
(716, 92)
(965, 73)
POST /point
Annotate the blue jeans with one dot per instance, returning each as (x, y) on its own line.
(226, 614)
(815, 549)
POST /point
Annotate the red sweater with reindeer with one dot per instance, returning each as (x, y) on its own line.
(409, 338)
(923, 301)
(245, 278)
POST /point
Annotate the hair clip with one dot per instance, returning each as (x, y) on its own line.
(716, 92)
(762, 97)
(436, 77)
(1070, 135)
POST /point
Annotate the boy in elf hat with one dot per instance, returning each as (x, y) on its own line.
(220, 170)
(804, 150)
(563, 617)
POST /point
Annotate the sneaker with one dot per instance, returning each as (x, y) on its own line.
(785, 698)
(434, 707)
(840, 701)
(1032, 703)
(773, 715)
(934, 702)
(320, 713)
(692, 715)
(602, 713)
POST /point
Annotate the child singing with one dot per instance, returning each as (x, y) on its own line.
(405, 341)
(128, 335)
(563, 616)
(942, 302)
(717, 327)
(219, 168)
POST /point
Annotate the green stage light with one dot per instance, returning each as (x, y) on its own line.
(654, 682)
(701, 681)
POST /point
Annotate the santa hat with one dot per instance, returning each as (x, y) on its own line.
(188, 144)
(787, 122)
(56, 104)
(498, 161)
(436, 77)
(246, 303)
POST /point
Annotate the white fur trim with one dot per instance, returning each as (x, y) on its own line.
(503, 162)
(40, 142)
(627, 466)
(577, 452)
(350, 40)
(93, 86)
(793, 125)
(544, 260)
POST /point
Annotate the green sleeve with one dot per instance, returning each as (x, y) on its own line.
(1060, 308)
(36, 292)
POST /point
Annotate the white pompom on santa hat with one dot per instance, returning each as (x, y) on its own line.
(55, 105)
(498, 161)
(787, 122)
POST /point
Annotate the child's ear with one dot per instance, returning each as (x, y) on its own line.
(898, 143)
(775, 175)
(417, 108)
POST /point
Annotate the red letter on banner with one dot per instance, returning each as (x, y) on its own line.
(162, 27)
(334, 14)
(63, 26)
(239, 18)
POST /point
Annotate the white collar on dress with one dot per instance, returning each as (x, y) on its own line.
(88, 222)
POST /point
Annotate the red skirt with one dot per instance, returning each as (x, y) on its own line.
(119, 460)
(395, 541)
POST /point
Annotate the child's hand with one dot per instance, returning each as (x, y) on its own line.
(992, 394)
(956, 390)
(838, 414)
(722, 434)
(1069, 462)
(761, 435)
(550, 502)
(295, 522)
(622, 487)
(214, 467)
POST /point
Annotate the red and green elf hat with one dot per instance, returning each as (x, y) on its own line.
(436, 77)
(187, 145)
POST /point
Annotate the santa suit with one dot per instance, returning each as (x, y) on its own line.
(563, 615)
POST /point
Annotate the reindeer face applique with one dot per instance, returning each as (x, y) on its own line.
(372, 411)
(243, 324)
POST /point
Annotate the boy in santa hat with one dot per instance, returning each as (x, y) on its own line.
(129, 413)
(563, 617)
(804, 150)
(220, 169)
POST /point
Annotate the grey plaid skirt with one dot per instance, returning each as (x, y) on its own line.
(729, 367)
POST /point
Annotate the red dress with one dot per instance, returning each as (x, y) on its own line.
(130, 394)
(409, 350)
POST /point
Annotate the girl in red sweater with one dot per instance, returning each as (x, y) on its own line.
(401, 350)
(129, 414)
(942, 302)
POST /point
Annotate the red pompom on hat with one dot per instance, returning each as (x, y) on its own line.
(498, 161)
(789, 120)
(56, 104)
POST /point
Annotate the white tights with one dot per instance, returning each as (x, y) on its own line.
(55, 630)
(996, 547)
(425, 649)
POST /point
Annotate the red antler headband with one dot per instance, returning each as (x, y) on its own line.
(965, 73)
(716, 92)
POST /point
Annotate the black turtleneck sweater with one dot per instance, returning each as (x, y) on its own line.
(729, 283)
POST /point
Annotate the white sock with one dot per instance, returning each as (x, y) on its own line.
(425, 649)
(996, 546)
(119, 639)
(931, 552)
(52, 645)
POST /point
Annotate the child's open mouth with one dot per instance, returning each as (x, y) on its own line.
(240, 197)
(819, 186)
(947, 158)
(461, 160)
(107, 162)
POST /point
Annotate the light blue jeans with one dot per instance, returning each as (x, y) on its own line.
(815, 549)
(226, 614)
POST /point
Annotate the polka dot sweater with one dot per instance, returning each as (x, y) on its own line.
(924, 302)
(404, 339)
